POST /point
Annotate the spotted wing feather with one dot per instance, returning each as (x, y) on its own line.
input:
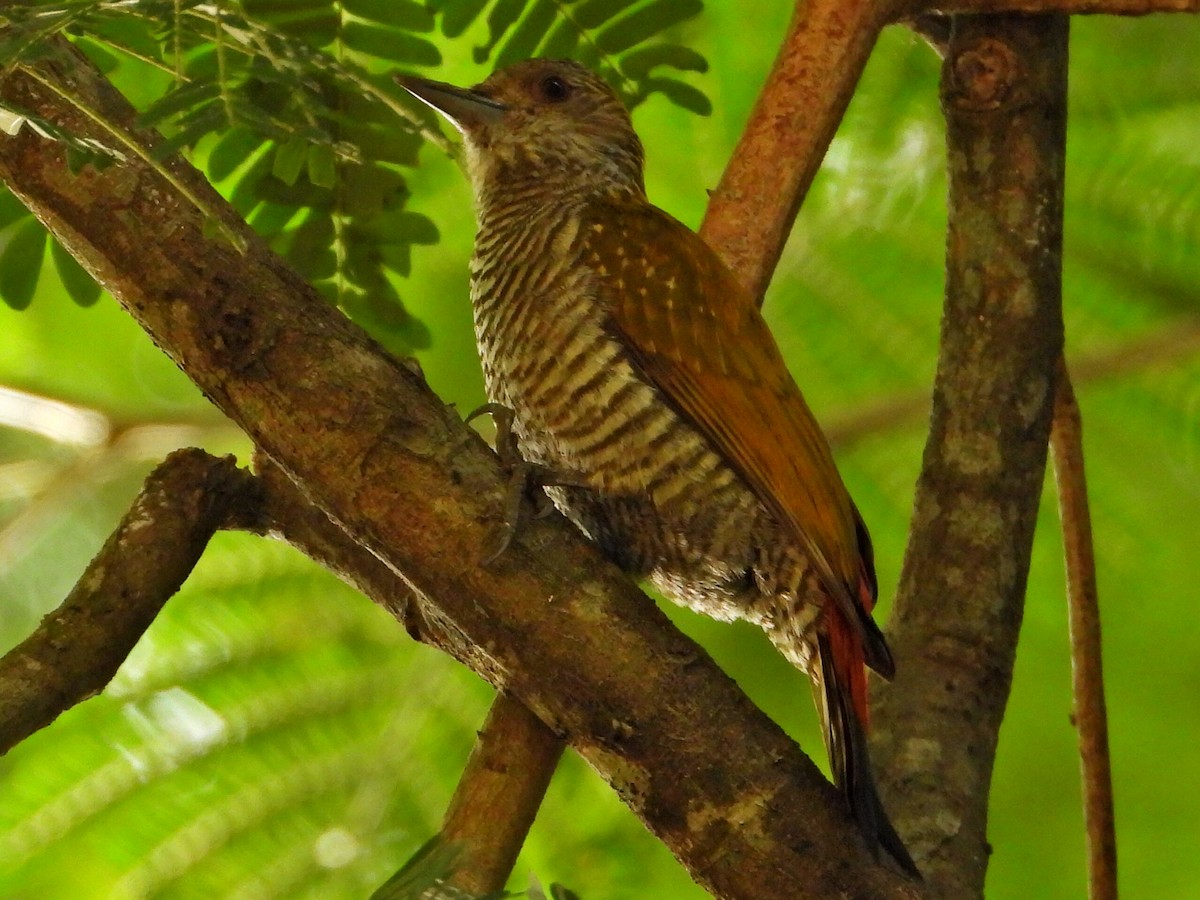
(699, 336)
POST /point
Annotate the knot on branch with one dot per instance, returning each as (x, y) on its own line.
(984, 75)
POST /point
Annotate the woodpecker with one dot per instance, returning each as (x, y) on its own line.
(641, 372)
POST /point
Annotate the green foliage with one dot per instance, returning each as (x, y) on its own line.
(614, 37)
(257, 740)
(337, 727)
(293, 105)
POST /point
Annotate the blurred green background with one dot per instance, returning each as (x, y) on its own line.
(276, 735)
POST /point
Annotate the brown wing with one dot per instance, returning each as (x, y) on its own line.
(699, 336)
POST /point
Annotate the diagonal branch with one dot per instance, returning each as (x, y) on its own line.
(1087, 670)
(961, 596)
(794, 118)
(506, 777)
(77, 649)
(368, 444)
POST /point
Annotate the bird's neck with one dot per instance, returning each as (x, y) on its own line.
(533, 186)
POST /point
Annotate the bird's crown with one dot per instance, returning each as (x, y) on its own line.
(542, 118)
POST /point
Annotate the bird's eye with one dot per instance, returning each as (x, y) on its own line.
(555, 89)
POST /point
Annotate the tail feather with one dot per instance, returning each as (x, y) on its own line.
(842, 698)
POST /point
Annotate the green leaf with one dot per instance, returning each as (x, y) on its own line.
(390, 44)
(101, 56)
(21, 261)
(457, 15)
(231, 151)
(637, 64)
(289, 160)
(645, 23)
(403, 14)
(680, 94)
(317, 29)
(316, 22)
(562, 40)
(269, 219)
(321, 169)
(11, 209)
(81, 286)
(413, 228)
(503, 16)
(194, 126)
(593, 13)
(190, 97)
(529, 33)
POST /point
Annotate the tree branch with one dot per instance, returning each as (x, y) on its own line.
(751, 212)
(961, 595)
(506, 777)
(1087, 669)
(499, 794)
(365, 441)
(908, 8)
(78, 648)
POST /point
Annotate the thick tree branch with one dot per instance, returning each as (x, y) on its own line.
(1087, 670)
(752, 210)
(961, 596)
(367, 443)
(506, 777)
(78, 648)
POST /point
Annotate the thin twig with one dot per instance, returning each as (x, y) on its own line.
(1087, 669)
(77, 649)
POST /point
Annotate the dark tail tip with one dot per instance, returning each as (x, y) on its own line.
(846, 742)
(858, 787)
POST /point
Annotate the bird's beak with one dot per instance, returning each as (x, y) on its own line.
(465, 109)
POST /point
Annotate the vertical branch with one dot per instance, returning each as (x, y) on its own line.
(961, 596)
(794, 119)
(1087, 671)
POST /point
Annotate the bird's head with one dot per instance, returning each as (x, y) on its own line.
(541, 119)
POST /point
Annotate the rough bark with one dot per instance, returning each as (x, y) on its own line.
(961, 595)
(78, 648)
(368, 444)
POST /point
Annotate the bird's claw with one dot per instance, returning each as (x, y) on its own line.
(522, 476)
(506, 439)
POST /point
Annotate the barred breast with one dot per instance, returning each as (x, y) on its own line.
(654, 495)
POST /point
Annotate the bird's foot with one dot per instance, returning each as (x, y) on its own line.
(523, 477)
